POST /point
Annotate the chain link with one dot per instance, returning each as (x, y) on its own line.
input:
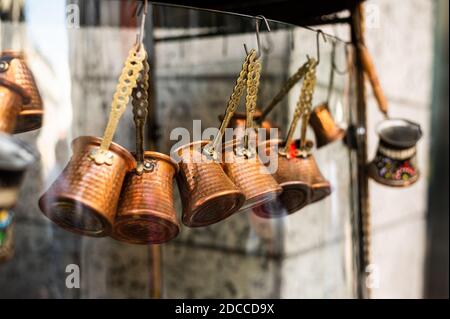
(253, 76)
(232, 106)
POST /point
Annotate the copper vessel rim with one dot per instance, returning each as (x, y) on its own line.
(31, 112)
(114, 147)
(13, 54)
(201, 142)
(162, 157)
(73, 199)
(143, 214)
(206, 199)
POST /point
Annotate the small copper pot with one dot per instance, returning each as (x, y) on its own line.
(250, 176)
(84, 197)
(395, 161)
(30, 117)
(15, 158)
(207, 194)
(290, 174)
(325, 129)
(146, 213)
(12, 94)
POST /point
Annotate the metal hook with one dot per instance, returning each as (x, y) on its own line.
(319, 32)
(269, 46)
(335, 68)
(141, 32)
(258, 40)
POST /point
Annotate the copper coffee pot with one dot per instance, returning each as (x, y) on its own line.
(146, 212)
(241, 162)
(30, 117)
(395, 161)
(207, 193)
(297, 172)
(324, 127)
(13, 95)
(84, 197)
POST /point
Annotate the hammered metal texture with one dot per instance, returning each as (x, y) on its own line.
(11, 69)
(146, 213)
(251, 177)
(84, 197)
(207, 194)
(10, 106)
(290, 175)
(30, 118)
(324, 127)
(321, 188)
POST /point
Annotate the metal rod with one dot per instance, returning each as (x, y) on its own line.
(362, 184)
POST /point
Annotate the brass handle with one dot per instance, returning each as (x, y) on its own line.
(233, 103)
(253, 76)
(303, 108)
(127, 81)
(140, 112)
(371, 73)
(296, 77)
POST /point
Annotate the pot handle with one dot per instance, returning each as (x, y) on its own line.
(127, 82)
(233, 103)
(253, 76)
(371, 73)
(140, 112)
(303, 108)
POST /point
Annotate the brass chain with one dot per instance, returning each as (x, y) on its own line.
(127, 81)
(253, 76)
(296, 77)
(303, 108)
(140, 112)
(232, 106)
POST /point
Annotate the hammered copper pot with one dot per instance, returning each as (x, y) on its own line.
(146, 212)
(207, 193)
(12, 94)
(250, 176)
(15, 157)
(395, 160)
(84, 197)
(30, 117)
(290, 174)
(324, 127)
